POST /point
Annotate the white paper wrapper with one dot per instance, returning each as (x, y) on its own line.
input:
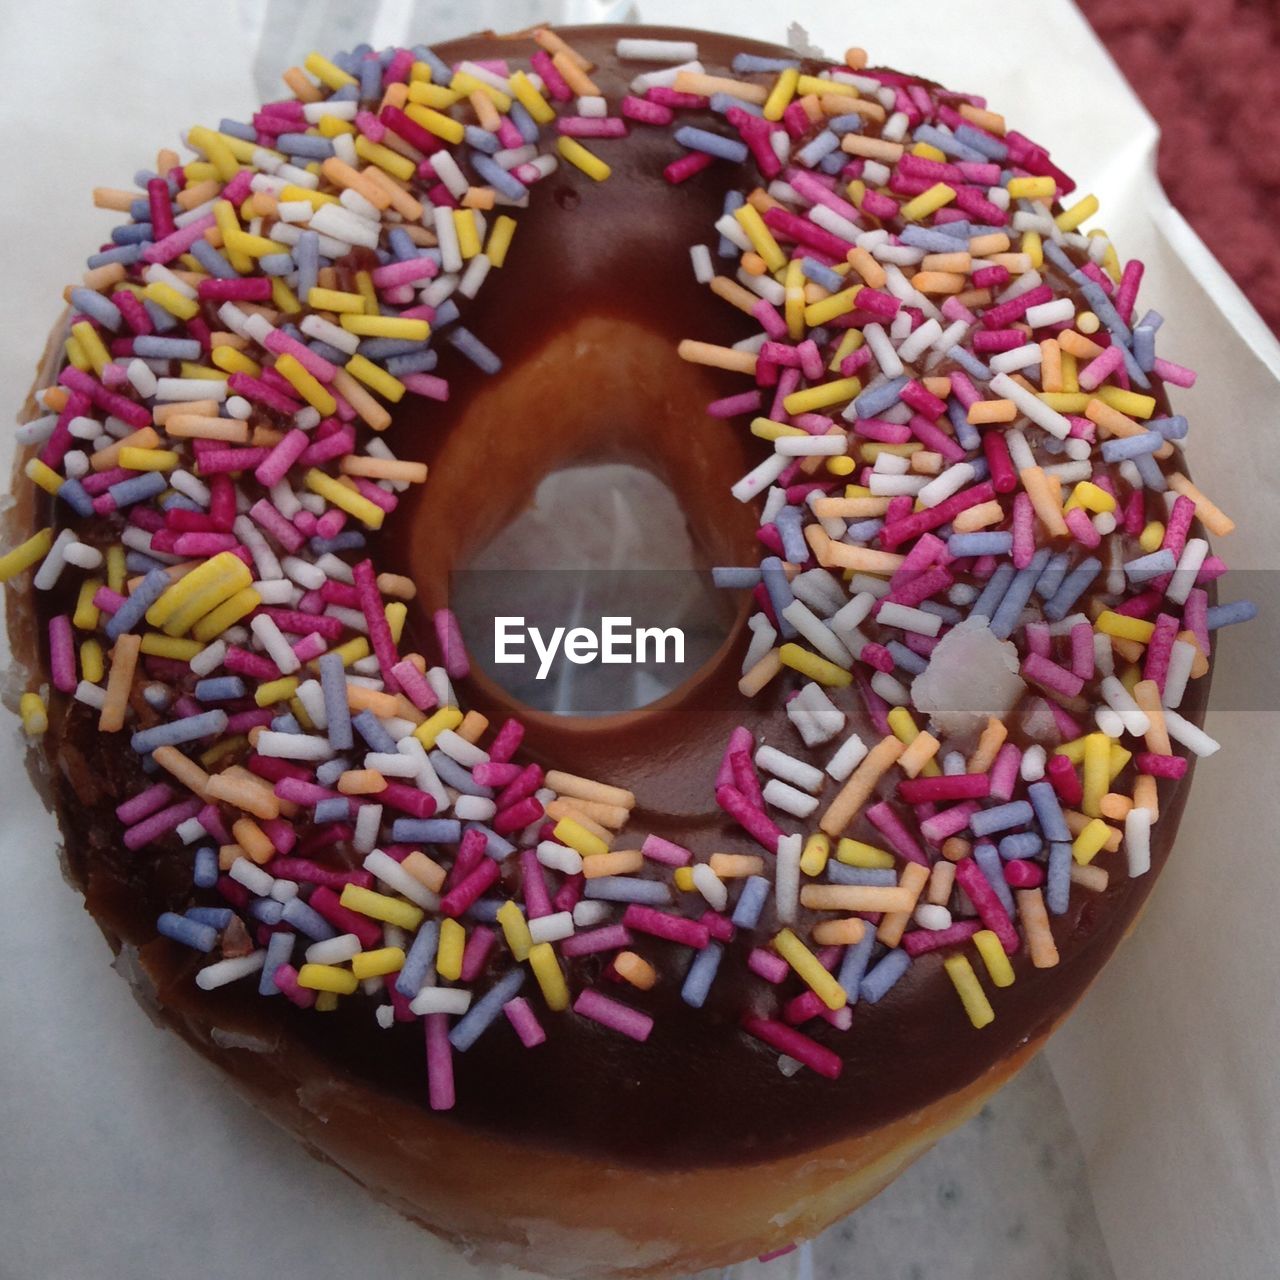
(125, 1154)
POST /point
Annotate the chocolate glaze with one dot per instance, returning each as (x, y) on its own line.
(586, 313)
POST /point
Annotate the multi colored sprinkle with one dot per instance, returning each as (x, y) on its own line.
(967, 452)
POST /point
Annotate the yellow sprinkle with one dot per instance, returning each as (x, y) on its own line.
(929, 152)
(838, 304)
(376, 378)
(253, 246)
(42, 475)
(855, 853)
(25, 555)
(309, 387)
(227, 614)
(1123, 627)
(515, 930)
(229, 360)
(134, 459)
(1097, 767)
(768, 429)
(500, 240)
(969, 989)
(329, 75)
(389, 161)
(577, 837)
(822, 396)
(1152, 536)
(794, 300)
(464, 222)
(453, 938)
(285, 300)
(374, 964)
(817, 849)
(994, 957)
(167, 297)
(546, 968)
(386, 327)
(1070, 219)
(1087, 322)
(530, 99)
(811, 665)
(809, 970)
(328, 977)
(435, 724)
(683, 879)
(1085, 847)
(1128, 402)
(35, 716)
(276, 691)
(748, 217)
(217, 148)
(928, 202)
(780, 95)
(577, 155)
(335, 300)
(175, 647)
(91, 344)
(1088, 495)
(468, 84)
(86, 615)
(348, 500)
(378, 906)
(444, 127)
(1031, 188)
(76, 356)
(198, 593)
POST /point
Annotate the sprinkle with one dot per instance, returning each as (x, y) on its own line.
(965, 981)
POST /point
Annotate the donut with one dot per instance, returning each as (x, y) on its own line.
(652, 992)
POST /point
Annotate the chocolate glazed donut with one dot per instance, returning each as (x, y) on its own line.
(584, 1156)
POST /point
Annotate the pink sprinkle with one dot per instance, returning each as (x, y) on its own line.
(685, 167)
(62, 654)
(518, 816)
(610, 1013)
(662, 924)
(985, 902)
(413, 684)
(537, 902)
(376, 619)
(646, 112)
(1021, 874)
(667, 852)
(950, 821)
(177, 242)
(439, 1062)
(1095, 373)
(427, 385)
(1177, 374)
(303, 870)
(1161, 766)
(525, 1022)
(611, 937)
(755, 822)
(325, 901)
(160, 824)
(1051, 676)
(768, 965)
(449, 638)
(918, 941)
(1004, 772)
(145, 803)
(591, 127)
(785, 1039)
(286, 978)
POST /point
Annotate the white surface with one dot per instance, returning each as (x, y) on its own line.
(127, 1157)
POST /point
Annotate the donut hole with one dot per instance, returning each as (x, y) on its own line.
(599, 540)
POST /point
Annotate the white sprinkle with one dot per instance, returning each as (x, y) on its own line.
(788, 768)
(919, 341)
(334, 950)
(474, 808)
(1137, 840)
(632, 49)
(458, 748)
(1194, 739)
(703, 269)
(1030, 404)
(394, 876)
(225, 971)
(368, 820)
(441, 1000)
(782, 795)
(1181, 660)
(1059, 311)
(1118, 698)
(711, 887)
(847, 758)
(252, 876)
(552, 928)
(559, 858)
(817, 633)
(786, 878)
(932, 917)
(273, 642)
(588, 913)
(91, 695)
(292, 746)
(906, 618)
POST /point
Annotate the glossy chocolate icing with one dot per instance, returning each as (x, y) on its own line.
(586, 313)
